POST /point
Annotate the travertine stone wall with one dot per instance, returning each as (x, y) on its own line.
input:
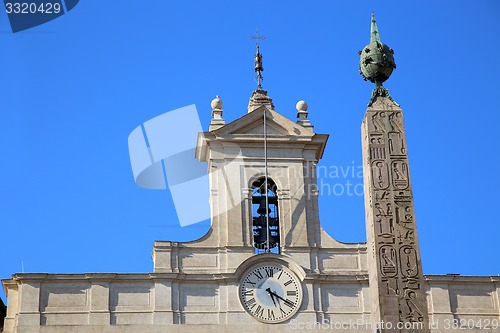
(179, 303)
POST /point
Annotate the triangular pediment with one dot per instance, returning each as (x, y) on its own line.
(249, 130)
(257, 127)
(253, 124)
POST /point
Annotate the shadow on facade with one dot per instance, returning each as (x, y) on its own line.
(3, 313)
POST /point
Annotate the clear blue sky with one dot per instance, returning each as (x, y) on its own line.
(73, 89)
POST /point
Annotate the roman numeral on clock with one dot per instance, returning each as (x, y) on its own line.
(289, 303)
(291, 293)
(252, 283)
(251, 303)
(259, 311)
(288, 282)
(270, 314)
(258, 274)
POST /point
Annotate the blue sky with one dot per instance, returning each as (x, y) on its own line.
(73, 89)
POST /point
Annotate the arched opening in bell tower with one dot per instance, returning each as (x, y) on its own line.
(265, 221)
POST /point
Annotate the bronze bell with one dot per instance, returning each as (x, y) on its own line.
(263, 210)
(261, 236)
(259, 221)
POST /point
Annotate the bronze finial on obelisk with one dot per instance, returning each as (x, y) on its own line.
(397, 291)
(376, 63)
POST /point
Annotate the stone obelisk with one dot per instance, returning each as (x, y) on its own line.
(398, 294)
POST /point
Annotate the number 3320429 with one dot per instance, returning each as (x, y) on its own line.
(32, 8)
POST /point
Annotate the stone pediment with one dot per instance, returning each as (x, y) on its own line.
(249, 129)
(252, 124)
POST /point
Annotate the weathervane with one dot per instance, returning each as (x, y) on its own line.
(258, 68)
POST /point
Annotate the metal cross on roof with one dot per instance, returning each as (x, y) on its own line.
(257, 37)
(258, 59)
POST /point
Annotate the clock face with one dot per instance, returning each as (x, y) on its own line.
(271, 293)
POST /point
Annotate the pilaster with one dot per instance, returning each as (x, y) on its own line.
(11, 289)
(29, 309)
(99, 300)
(163, 310)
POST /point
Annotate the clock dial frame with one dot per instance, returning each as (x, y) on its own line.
(270, 292)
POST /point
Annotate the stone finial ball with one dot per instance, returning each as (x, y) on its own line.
(216, 103)
(376, 62)
(301, 106)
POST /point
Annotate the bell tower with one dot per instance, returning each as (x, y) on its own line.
(263, 189)
(395, 271)
(262, 175)
(244, 154)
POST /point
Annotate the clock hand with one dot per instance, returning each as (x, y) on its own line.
(281, 298)
(272, 295)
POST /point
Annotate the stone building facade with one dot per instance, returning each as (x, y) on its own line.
(198, 283)
(260, 269)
